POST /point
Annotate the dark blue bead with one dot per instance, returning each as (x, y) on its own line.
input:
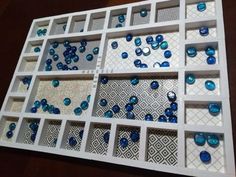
(55, 83)
(149, 39)
(37, 104)
(65, 67)
(148, 117)
(44, 102)
(68, 61)
(83, 42)
(130, 115)
(72, 141)
(74, 49)
(201, 6)
(103, 102)
(159, 38)
(33, 137)
(55, 44)
(162, 118)
(138, 51)
(81, 133)
(205, 157)
(12, 126)
(84, 105)
(33, 110)
(211, 60)
(48, 68)
(34, 126)
(51, 51)
(56, 111)
(37, 49)
(75, 68)
(137, 41)
(66, 43)
(174, 106)
(78, 111)
(115, 108)
(55, 141)
(118, 25)
(210, 51)
(155, 45)
(25, 80)
(104, 80)
(129, 37)
(154, 85)
(190, 79)
(95, 50)
(204, 31)
(106, 137)
(67, 101)
(114, 45)
(134, 80)
(214, 109)
(121, 18)
(168, 112)
(89, 57)
(55, 57)
(133, 100)
(210, 85)
(143, 65)
(171, 96)
(129, 107)
(134, 136)
(124, 142)
(199, 139)
(173, 119)
(213, 140)
(191, 52)
(143, 12)
(82, 49)
(108, 114)
(49, 61)
(137, 63)
(82, 30)
(165, 64)
(167, 54)
(9, 134)
(124, 55)
(59, 65)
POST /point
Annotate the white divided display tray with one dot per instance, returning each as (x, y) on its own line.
(161, 146)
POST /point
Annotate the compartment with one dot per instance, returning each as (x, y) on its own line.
(7, 128)
(75, 53)
(117, 18)
(198, 87)
(140, 14)
(59, 26)
(28, 131)
(14, 104)
(40, 29)
(125, 147)
(112, 58)
(162, 147)
(73, 135)
(193, 161)
(192, 10)
(97, 21)
(50, 133)
(98, 138)
(77, 24)
(167, 11)
(28, 64)
(55, 89)
(119, 89)
(21, 84)
(34, 47)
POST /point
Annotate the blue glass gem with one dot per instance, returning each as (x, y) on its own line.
(37, 104)
(210, 51)
(65, 67)
(143, 65)
(44, 31)
(143, 12)
(155, 45)
(121, 18)
(75, 68)
(210, 85)
(84, 105)
(214, 109)
(72, 141)
(156, 65)
(130, 115)
(44, 102)
(39, 32)
(213, 140)
(137, 63)
(133, 100)
(191, 52)
(95, 50)
(171, 96)
(124, 142)
(204, 31)
(49, 61)
(48, 68)
(129, 37)
(37, 49)
(81, 133)
(138, 51)
(103, 102)
(134, 80)
(82, 49)
(148, 117)
(64, 27)
(73, 49)
(59, 65)
(146, 51)
(205, 157)
(165, 64)
(164, 45)
(66, 43)
(78, 111)
(104, 79)
(12, 126)
(33, 110)
(137, 41)
(124, 55)
(211, 60)
(118, 25)
(55, 44)
(159, 38)
(45, 107)
(51, 51)
(106, 137)
(83, 42)
(114, 45)
(55, 57)
(167, 54)
(89, 57)
(55, 83)
(115, 108)
(134, 136)
(173, 119)
(50, 109)
(149, 39)
(76, 58)
(154, 85)
(33, 137)
(9, 134)
(88, 98)
(34, 126)
(68, 61)
(108, 114)
(25, 80)
(66, 101)
(174, 106)
(168, 112)
(56, 111)
(190, 79)
(199, 139)
(201, 6)
(129, 107)
(162, 118)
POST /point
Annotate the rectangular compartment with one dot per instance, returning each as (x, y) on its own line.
(117, 17)
(14, 104)
(136, 18)
(98, 138)
(28, 131)
(167, 11)
(34, 47)
(59, 26)
(97, 21)
(21, 84)
(50, 131)
(40, 26)
(4, 127)
(77, 24)
(28, 64)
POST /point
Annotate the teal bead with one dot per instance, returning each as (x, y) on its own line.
(55, 83)
(88, 98)
(214, 109)
(108, 114)
(89, 57)
(84, 105)
(48, 68)
(121, 18)
(164, 45)
(210, 51)
(133, 100)
(199, 139)
(191, 52)
(213, 140)
(137, 41)
(82, 49)
(37, 104)
(190, 79)
(45, 107)
(67, 101)
(201, 6)
(51, 51)
(95, 50)
(37, 49)
(134, 80)
(143, 12)
(155, 45)
(55, 44)
(12, 126)
(50, 109)
(210, 85)
(78, 111)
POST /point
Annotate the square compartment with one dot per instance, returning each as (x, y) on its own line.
(59, 26)
(28, 64)
(50, 133)
(41, 25)
(167, 11)
(162, 147)
(96, 143)
(32, 45)
(19, 86)
(136, 18)
(73, 129)
(14, 104)
(77, 24)
(97, 21)
(28, 131)
(114, 17)
(4, 127)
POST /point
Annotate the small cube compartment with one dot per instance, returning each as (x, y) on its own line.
(127, 142)
(50, 133)
(117, 18)
(40, 29)
(97, 21)
(7, 128)
(21, 84)
(14, 104)
(140, 15)
(34, 47)
(162, 147)
(59, 26)
(28, 64)
(73, 135)
(98, 138)
(167, 11)
(28, 131)
(77, 24)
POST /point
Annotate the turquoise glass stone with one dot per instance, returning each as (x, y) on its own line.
(33, 110)
(210, 51)
(39, 32)
(148, 117)
(167, 54)
(108, 114)
(191, 52)
(88, 98)
(121, 18)
(55, 83)
(213, 140)
(81, 133)
(51, 51)
(190, 79)
(199, 139)
(106, 137)
(154, 85)
(37, 104)
(55, 44)
(155, 45)
(134, 136)
(124, 55)
(124, 142)
(168, 112)
(159, 38)
(210, 85)
(82, 49)
(45, 107)
(95, 50)
(137, 41)
(9, 134)
(133, 100)
(68, 61)
(103, 102)
(37, 49)
(211, 60)
(84, 105)
(173, 119)
(171, 96)
(201, 6)
(78, 111)
(48, 68)
(129, 37)
(174, 106)
(116, 109)
(72, 141)
(89, 57)
(164, 45)
(162, 118)
(214, 109)
(12, 126)
(129, 107)
(44, 31)
(75, 58)
(130, 115)
(143, 12)
(114, 45)
(50, 109)
(205, 157)
(67, 101)
(134, 80)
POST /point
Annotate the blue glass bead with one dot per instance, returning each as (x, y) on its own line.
(65, 67)
(39, 32)
(205, 157)
(204, 31)
(89, 57)
(34, 126)
(48, 68)
(72, 141)
(9, 134)
(78, 111)
(155, 45)
(49, 61)
(44, 31)
(134, 136)
(190, 79)
(171, 96)
(66, 43)
(118, 25)
(154, 85)
(103, 102)
(50, 109)
(138, 51)
(33, 110)
(56, 111)
(134, 80)
(81, 133)
(133, 100)
(37, 49)
(73, 49)
(55, 44)
(159, 38)
(114, 45)
(210, 51)
(137, 41)
(173, 119)
(108, 114)
(115, 108)
(124, 142)
(44, 102)
(201, 6)
(146, 51)
(67, 101)
(25, 80)
(84, 105)
(12, 126)
(83, 42)
(59, 65)
(191, 52)
(95, 50)
(199, 139)
(162, 118)
(51, 51)
(55, 83)
(213, 140)
(143, 12)
(174, 106)
(130, 115)
(211, 60)
(129, 107)
(149, 39)
(104, 79)
(55, 57)
(33, 137)
(164, 45)
(143, 65)
(137, 63)
(148, 117)
(82, 49)
(156, 65)
(45, 107)
(106, 137)
(214, 109)
(121, 18)
(124, 55)
(88, 98)
(168, 112)
(210, 85)
(129, 37)
(165, 64)
(167, 54)
(68, 61)
(76, 58)
(64, 27)
(37, 104)
(75, 68)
